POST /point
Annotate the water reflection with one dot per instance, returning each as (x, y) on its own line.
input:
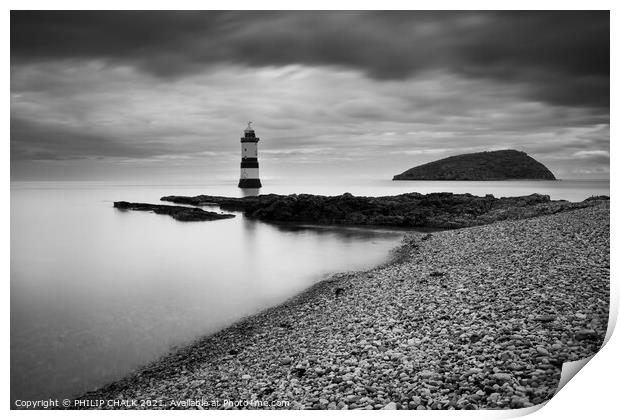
(352, 232)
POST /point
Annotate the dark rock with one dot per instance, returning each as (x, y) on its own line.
(180, 213)
(598, 198)
(339, 291)
(435, 210)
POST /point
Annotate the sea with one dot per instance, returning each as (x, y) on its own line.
(97, 292)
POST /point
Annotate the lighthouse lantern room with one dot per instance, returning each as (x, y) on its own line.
(249, 159)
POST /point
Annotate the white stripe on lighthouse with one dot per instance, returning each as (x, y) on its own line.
(249, 173)
(249, 150)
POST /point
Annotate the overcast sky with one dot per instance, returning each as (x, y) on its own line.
(166, 95)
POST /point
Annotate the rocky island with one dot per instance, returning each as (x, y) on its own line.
(483, 166)
(180, 213)
(435, 210)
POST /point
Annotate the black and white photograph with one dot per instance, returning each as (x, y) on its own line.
(307, 209)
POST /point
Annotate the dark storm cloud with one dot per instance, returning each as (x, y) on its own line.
(39, 141)
(556, 57)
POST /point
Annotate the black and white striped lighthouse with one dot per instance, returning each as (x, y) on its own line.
(249, 159)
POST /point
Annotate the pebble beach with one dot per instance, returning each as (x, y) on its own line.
(472, 318)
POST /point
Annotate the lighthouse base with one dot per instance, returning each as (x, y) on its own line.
(249, 183)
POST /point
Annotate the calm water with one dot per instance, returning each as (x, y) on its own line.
(96, 292)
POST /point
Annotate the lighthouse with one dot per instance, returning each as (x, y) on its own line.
(249, 159)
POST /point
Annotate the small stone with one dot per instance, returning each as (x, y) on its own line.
(390, 406)
(493, 397)
(351, 399)
(542, 350)
(502, 377)
(519, 402)
(544, 318)
(413, 342)
(286, 361)
(246, 377)
(585, 334)
(426, 374)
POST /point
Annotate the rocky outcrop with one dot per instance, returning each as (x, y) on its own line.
(436, 210)
(484, 166)
(180, 213)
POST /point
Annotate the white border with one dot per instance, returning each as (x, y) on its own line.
(591, 394)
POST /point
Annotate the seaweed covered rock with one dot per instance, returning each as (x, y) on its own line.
(180, 213)
(435, 210)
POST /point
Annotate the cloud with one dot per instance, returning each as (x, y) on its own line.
(559, 57)
(304, 115)
(592, 154)
(361, 93)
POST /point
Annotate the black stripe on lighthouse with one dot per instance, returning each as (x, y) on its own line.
(249, 164)
(249, 183)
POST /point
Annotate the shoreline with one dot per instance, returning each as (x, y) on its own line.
(203, 367)
(395, 256)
